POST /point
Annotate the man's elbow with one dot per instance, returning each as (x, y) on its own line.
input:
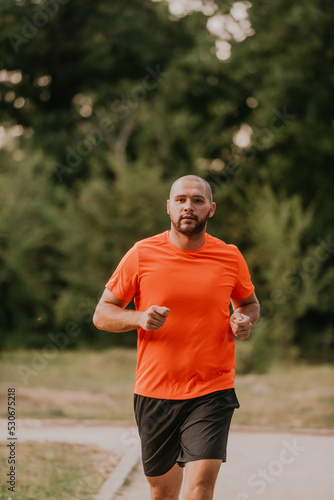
(98, 320)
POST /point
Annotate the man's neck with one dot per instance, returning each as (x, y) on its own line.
(187, 241)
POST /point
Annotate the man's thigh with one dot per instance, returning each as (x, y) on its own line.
(159, 424)
(200, 478)
(166, 486)
(204, 433)
(183, 431)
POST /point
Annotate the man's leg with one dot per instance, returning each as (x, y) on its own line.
(167, 486)
(200, 479)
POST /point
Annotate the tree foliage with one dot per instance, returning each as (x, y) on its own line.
(105, 103)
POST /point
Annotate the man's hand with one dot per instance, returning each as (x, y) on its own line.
(240, 325)
(153, 318)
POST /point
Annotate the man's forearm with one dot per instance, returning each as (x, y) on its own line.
(251, 310)
(112, 318)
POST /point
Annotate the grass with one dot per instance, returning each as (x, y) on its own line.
(74, 384)
(293, 397)
(57, 471)
(99, 385)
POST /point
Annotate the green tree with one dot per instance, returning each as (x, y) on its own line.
(104, 104)
(111, 100)
(29, 254)
(288, 273)
(283, 75)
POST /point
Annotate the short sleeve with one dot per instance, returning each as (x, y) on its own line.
(243, 287)
(124, 281)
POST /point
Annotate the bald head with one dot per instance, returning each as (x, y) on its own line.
(191, 179)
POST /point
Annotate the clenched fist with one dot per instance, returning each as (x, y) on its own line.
(154, 318)
(240, 325)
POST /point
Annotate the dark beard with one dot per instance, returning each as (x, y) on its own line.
(197, 228)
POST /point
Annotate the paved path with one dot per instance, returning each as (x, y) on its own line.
(261, 465)
(266, 466)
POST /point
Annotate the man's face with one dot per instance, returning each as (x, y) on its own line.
(189, 207)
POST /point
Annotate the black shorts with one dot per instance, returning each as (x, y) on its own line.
(181, 431)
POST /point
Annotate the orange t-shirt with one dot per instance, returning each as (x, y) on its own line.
(193, 353)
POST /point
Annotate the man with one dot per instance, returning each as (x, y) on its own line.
(183, 282)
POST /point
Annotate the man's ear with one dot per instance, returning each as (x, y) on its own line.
(168, 207)
(213, 209)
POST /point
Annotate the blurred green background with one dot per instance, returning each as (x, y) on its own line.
(104, 104)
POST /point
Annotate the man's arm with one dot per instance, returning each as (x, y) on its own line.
(245, 315)
(110, 315)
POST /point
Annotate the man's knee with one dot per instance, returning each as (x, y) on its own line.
(199, 490)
